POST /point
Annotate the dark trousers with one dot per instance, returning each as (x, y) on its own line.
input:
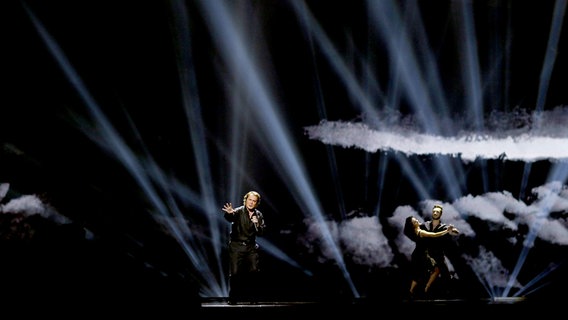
(243, 269)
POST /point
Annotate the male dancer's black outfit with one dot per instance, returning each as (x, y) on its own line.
(436, 249)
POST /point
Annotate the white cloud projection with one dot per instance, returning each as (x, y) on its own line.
(501, 210)
(511, 136)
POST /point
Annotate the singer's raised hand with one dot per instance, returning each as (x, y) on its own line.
(228, 208)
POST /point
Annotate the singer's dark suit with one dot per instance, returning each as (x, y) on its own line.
(243, 249)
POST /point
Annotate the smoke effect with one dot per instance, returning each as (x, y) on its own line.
(17, 212)
(361, 238)
(29, 205)
(514, 136)
(491, 268)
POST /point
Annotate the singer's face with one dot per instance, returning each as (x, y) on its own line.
(251, 202)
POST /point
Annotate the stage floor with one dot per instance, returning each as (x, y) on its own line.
(211, 308)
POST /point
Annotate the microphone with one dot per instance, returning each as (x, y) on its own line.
(254, 223)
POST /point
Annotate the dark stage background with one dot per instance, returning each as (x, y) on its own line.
(126, 125)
